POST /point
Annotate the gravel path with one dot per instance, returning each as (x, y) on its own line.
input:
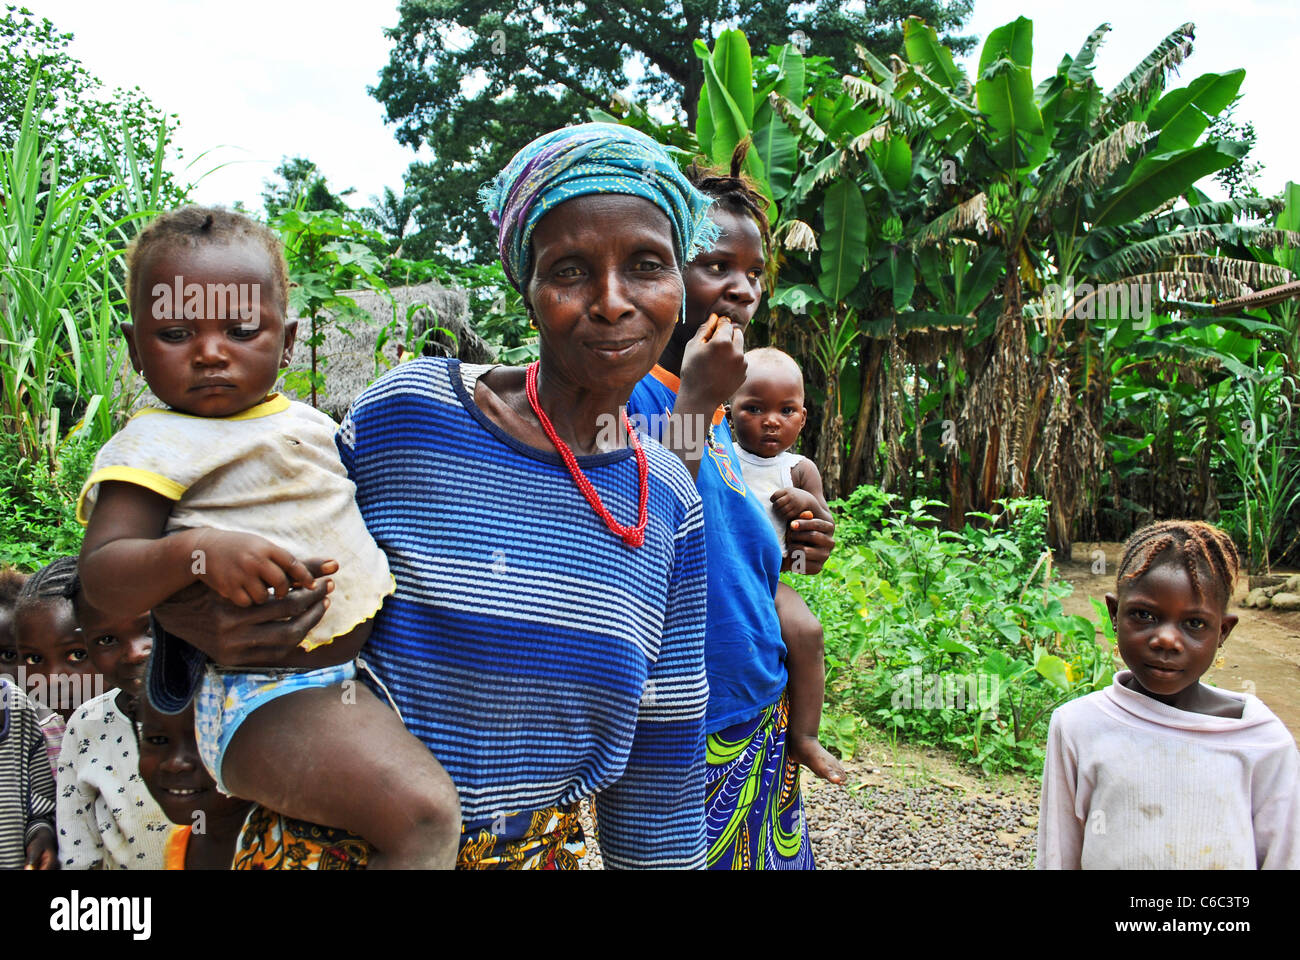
(883, 824)
(880, 823)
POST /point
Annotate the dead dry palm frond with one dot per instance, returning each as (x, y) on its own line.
(1147, 77)
(1092, 168)
(1164, 249)
(971, 214)
(866, 92)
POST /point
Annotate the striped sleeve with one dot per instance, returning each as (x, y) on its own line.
(653, 816)
(40, 808)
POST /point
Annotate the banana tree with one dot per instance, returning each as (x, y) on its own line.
(1069, 185)
(858, 190)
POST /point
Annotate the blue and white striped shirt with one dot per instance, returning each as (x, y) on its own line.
(539, 658)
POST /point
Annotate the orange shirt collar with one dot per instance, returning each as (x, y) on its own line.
(674, 383)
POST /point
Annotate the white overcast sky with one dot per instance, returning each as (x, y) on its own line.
(257, 81)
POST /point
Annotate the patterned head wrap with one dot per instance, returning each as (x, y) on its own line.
(591, 158)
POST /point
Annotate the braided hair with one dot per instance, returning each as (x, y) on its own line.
(1207, 554)
(733, 191)
(191, 225)
(54, 581)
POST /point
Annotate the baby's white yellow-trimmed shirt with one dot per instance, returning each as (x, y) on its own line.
(271, 470)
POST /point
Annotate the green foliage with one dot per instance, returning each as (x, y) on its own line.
(300, 184)
(950, 638)
(496, 308)
(1261, 444)
(915, 202)
(861, 515)
(94, 130)
(61, 293)
(328, 253)
(38, 504)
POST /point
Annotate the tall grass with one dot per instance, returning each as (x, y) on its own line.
(61, 290)
(1261, 446)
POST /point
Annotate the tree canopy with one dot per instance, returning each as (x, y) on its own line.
(89, 124)
(475, 81)
(298, 179)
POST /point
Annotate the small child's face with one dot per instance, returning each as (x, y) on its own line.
(728, 279)
(170, 767)
(119, 648)
(208, 332)
(768, 411)
(1167, 635)
(50, 647)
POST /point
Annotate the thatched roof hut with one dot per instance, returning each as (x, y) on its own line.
(348, 357)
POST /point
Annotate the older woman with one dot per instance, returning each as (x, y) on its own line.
(546, 637)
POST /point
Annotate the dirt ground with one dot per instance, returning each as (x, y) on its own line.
(1262, 654)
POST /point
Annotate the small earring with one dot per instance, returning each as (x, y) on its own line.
(1218, 662)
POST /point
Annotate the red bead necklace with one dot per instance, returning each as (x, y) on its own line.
(632, 536)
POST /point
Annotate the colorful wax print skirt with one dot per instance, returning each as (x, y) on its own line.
(753, 808)
(270, 841)
(549, 839)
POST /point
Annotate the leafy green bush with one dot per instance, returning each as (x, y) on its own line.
(39, 506)
(861, 516)
(947, 638)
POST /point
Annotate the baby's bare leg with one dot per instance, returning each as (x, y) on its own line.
(805, 661)
(317, 755)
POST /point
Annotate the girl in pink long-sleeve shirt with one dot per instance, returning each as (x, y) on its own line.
(1160, 771)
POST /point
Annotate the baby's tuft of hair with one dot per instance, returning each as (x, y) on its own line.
(771, 357)
(733, 190)
(192, 225)
(1204, 550)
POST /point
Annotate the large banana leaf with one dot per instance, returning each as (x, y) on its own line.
(844, 241)
(1159, 177)
(1182, 115)
(1081, 67)
(777, 150)
(924, 49)
(902, 276)
(1005, 89)
(790, 60)
(704, 122)
(1289, 219)
(735, 69)
(953, 119)
(730, 126)
(894, 158)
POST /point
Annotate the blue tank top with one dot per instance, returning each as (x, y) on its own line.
(743, 652)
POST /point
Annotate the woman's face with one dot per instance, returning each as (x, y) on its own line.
(606, 289)
(728, 279)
